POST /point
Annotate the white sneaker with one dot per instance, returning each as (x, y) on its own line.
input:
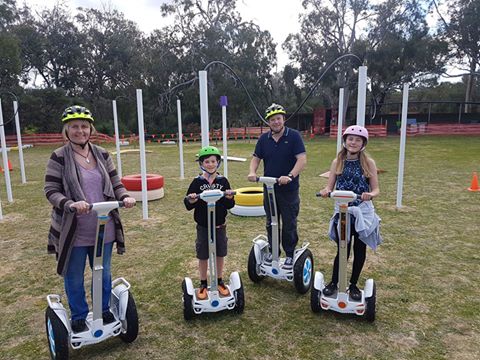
(288, 264)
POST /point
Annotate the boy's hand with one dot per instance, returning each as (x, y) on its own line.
(192, 198)
(229, 194)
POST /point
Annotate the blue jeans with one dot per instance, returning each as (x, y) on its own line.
(288, 207)
(74, 280)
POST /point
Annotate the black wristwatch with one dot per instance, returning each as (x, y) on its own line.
(290, 175)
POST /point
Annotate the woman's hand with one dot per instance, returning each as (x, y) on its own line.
(129, 202)
(81, 207)
(325, 192)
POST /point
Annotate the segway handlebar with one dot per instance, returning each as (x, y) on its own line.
(267, 180)
(342, 196)
(103, 207)
(212, 193)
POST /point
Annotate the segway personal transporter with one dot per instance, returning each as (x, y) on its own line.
(302, 270)
(214, 302)
(340, 301)
(122, 305)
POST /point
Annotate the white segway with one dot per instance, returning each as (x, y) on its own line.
(214, 302)
(122, 305)
(340, 301)
(302, 270)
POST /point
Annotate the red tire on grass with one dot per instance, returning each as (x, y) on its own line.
(134, 182)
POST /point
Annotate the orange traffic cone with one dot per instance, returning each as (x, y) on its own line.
(9, 166)
(474, 185)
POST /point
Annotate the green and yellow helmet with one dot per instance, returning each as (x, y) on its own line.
(274, 109)
(76, 112)
(207, 151)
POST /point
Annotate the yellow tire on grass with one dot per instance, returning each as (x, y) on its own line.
(249, 196)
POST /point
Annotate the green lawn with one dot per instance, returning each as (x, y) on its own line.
(426, 271)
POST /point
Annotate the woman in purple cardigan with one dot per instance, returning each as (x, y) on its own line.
(78, 174)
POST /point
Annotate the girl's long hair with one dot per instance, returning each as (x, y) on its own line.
(364, 157)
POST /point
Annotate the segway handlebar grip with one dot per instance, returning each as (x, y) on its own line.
(267, 180)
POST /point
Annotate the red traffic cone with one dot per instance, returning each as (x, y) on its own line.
(9, 166)
(474, 185)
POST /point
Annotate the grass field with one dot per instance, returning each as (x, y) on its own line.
(427, 270)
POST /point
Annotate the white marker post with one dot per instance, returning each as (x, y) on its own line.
(180, 138)
(19, 142)
(224, 104)
(341, 99)
(203, 83)
(403, 135)
(6, 170)
(362, 95)
(117, 138)
(143, 162)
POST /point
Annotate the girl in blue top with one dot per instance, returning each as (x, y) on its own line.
(354, 170)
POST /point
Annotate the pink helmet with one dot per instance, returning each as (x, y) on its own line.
(356, 130)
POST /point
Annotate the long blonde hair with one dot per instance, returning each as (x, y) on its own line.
(364, 162)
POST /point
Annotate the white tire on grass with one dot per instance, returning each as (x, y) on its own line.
(248, 210)
(151, 194)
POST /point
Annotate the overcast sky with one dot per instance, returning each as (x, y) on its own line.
(146, 13)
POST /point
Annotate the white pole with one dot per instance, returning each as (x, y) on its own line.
(19, 142)
(362, 95)
(1, 214)
(403, 135)
(143, 162)
(180, 138)
(202, 77)
(224, 104)
(117, 138)
(6, 170)
(341, 99)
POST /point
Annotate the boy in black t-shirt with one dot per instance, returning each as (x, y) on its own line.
(209, 160)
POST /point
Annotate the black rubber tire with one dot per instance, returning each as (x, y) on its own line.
(252, 267)
(131, 321)
(239, 299)
(60, 336)
(315, 300)
(298, 272)
(187, 303)
(370, 305)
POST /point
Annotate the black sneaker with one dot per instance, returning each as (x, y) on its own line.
(108, 317)
(330, 289)
(79, 325)
(354, 292)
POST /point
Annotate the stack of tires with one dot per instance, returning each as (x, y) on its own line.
(155, 182)
(249, 202)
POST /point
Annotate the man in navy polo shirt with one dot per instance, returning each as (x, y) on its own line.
(284, 157)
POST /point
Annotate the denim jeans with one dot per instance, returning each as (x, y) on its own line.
(74, 280)
(288, 207)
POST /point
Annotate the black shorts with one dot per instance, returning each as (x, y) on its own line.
(201, 243)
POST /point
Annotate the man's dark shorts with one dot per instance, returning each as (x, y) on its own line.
(201, 243)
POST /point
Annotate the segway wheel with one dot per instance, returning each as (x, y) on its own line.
(187, 303)
(315, 300)
(57, 335)
(370, 305)
(130, 325)
(254, 267)
(303, 272)
(239, 299)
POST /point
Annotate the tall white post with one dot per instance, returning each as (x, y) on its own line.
(1, 213)
(202, 77)
(362, 95)
(180, 139)
(341, 99)
(143, 162)
(403, 136)
(6, 170)
(224, 104)
(19, 142)
(117, 138)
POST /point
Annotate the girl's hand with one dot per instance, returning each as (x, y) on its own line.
(192, 198)
(129, 202)
(81, 207)
(228, 194)
(325, 192)
(367, 196)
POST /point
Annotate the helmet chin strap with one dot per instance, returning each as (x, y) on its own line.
(208, 172)
(81, 145)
